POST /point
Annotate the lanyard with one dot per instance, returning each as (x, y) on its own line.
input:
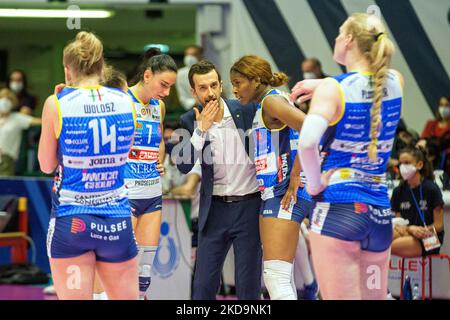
(422, 216)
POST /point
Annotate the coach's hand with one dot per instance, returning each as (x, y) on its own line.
(206, 118)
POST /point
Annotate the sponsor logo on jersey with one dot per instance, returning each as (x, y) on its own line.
(146, 182)
(109, 228)
(78, 226)
(101, 161)
(95, 180)
(76, 141)
(150, 155)
(140, 168)
(283, 166)
(261, 164)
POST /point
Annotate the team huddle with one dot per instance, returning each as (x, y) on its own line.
(104, 142)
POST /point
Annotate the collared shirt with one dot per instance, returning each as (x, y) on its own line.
(234, 174)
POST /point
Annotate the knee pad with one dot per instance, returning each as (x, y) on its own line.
(278, 280)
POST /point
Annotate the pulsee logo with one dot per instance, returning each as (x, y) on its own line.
(78, 226)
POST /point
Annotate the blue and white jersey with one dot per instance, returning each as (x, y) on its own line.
(142, 180)
(275, 151)
(345, 143)
(95, 134)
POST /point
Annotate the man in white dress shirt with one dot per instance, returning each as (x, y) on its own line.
(229, 196)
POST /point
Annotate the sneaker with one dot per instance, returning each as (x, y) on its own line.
(49, 290)
(389, 296)
(310, 292)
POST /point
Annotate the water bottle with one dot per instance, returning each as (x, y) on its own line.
(407, 290)
(416, 292)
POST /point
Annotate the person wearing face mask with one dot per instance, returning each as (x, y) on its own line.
(312, 69)
(437, 128)
(192, 55)
(419, 200)
(11, 126)
(17, 83)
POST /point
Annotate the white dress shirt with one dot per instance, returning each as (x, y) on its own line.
(234, 174)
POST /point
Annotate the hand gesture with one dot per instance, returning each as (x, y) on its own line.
(291, 194)
(206, 118)
(304, 90)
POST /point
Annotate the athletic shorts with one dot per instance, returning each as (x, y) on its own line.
(143, 206)
(271, 208)
(111, 239)
(371, 225)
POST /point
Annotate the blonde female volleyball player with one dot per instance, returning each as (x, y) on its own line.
(87, 131)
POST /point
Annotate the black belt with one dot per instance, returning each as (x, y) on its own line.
(237, 198)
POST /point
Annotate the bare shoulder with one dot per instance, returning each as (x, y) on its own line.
(50, 106)
(275, 100)
(329, 90)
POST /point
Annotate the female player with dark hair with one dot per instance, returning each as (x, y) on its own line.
(275, 131)
(156, 75)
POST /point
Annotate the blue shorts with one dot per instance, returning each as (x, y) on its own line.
(271, 208)
(111, 239)
(143, 206)
(369, 224)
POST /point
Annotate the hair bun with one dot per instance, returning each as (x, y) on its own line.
(278, 79)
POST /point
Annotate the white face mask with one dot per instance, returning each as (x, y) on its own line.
(16, 86)
(189, 61)
(5, 105)
(407, 171)
(309, 75)
(444, 111)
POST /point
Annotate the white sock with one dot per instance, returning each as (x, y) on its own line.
(100, 296)
(278, 280)
(302, 261)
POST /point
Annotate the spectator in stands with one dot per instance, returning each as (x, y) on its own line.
(11, 126)
(311, 69)
(434, 135)
(405, 138)
(437, 128)
(192, 55)
(18, 83)
(419, 200)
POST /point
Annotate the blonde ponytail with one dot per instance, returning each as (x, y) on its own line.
(84, 54)
(378, 49)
